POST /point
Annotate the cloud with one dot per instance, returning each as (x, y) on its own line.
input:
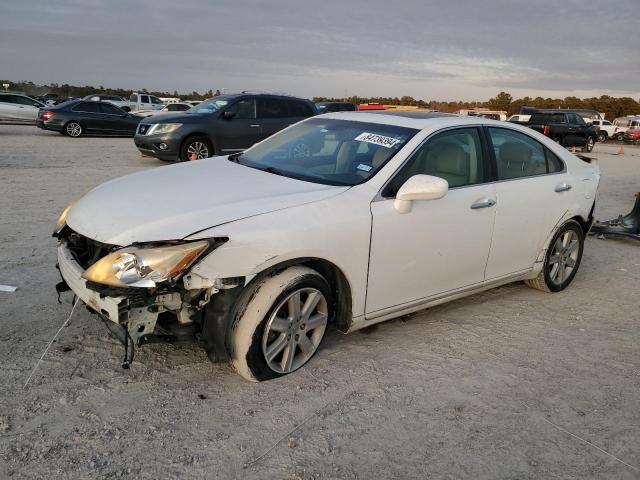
(427, 49)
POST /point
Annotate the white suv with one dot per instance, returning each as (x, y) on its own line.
(344, 219)
(606, 129)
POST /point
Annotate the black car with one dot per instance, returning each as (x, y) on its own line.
(81, 117)
(219, 126)
(328, 107)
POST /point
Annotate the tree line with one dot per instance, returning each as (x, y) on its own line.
(612, 107)
(65, 90)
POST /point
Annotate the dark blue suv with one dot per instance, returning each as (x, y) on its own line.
(219, 126)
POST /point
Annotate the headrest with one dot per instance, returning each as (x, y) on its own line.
(515, 153)
(448, 158)
(381, 155)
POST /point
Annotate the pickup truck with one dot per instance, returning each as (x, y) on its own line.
(138, 102)
(567, 128)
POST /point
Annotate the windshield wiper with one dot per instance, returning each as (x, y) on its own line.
(235, 157)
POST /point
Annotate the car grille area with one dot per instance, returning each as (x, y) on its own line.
(86, 251)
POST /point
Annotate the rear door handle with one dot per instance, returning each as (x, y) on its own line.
(253, 125)
(563, 187)
(484, 203)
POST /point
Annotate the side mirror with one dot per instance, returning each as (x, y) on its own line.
(419, 187)
(228, 115)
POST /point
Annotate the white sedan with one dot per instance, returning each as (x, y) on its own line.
(17, 108)
(344, 219)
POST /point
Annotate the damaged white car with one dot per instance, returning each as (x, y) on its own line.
(345, 219)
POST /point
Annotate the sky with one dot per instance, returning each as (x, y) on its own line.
(432, 50)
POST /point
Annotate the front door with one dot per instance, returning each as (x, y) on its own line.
(240, 131)
(440, 245)
(273, 114)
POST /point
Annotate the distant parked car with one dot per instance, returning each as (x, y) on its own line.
(632, 135)
(114, 99)
(82, 117)
(328, 107)
(622, 124)
(16, 108)
(564, 127)
(219, 126)
(170, 108)
(606, 129)
(519, 118)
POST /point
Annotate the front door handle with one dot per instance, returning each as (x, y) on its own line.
(253, 125)
(563, 187)
(484, 203)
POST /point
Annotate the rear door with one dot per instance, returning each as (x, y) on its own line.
(273, 115)
(144, 103)
(533, 192)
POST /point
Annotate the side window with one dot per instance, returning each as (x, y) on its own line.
(23, 100)
(606, 123)
(90, 107)
(517, 154)
(455, 155)
(144, 98)
(577, 120)
(155, 100)
(8, 99)
(554, 164)
(299, 109)
(272, 108)
(110, 109)
(244, 109)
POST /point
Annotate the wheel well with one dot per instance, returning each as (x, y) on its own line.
(198, 134)
(584, 224)
(340, 288)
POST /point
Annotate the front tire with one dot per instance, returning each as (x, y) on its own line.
(562, 259)
(196, 148)
(73, 129)
(279, 323)
(602, 137)
(591, 141)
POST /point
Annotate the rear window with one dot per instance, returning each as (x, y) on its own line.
(547, 118)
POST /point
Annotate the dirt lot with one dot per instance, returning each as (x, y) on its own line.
(512, 383)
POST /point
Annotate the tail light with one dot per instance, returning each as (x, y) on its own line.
(47, 115)
(546, 130)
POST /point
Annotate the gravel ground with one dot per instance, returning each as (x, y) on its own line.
(512, 383)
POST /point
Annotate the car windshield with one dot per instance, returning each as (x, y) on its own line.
(327, 151)
(212, 105)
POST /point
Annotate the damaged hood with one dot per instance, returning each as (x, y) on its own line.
(172, 202)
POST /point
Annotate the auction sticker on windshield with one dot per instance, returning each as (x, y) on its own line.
(376, 139)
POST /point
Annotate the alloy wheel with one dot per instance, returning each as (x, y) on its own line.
(73, 129)
(199, 149)
(564, 257)
(294, 330)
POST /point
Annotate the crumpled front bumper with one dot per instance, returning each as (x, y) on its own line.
(107, 307)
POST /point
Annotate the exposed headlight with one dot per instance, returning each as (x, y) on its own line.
(163, 128)
(62, 220)
(144, 267)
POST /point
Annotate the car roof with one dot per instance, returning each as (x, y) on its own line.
(411, 119)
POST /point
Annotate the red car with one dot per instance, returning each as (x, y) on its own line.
(632, 136)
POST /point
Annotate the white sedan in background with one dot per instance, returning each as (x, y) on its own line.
(384, 214)
(17, 108)
(177, 107)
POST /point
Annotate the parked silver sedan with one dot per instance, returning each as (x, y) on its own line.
(17, 108)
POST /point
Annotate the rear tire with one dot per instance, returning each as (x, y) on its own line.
(562, 260)
(196, 148)
(73, 129)
(279, 323)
